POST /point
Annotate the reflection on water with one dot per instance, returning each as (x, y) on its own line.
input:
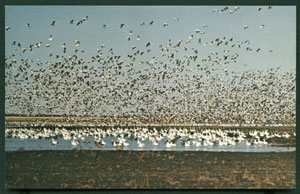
(89, 144)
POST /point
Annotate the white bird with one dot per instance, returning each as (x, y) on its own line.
(187, 144)
(54, 142)
(74, 142)
(50, 38)
(126, 144)
(140, 144)
(77, 43)
(170, 144)
(285, 135)
(155, 143)
(103, 142)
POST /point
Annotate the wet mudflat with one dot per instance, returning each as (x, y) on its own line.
(95, 169)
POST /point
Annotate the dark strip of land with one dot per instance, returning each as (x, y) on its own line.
(87, 169)
(122, 121)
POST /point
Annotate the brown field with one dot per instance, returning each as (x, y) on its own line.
(149, 170)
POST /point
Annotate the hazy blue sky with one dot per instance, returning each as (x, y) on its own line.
(279, 33)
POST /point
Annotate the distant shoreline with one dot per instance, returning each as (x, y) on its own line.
(105, 121)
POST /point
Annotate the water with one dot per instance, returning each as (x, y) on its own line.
(12, 144)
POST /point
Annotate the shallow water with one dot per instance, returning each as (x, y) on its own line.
(12, 144)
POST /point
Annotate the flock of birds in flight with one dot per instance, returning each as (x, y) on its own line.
(176, 87)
